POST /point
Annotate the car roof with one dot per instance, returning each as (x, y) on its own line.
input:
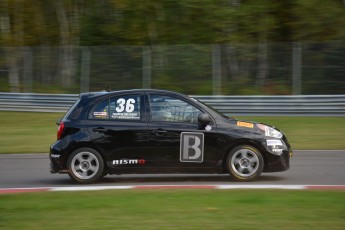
(96, 94)
(101, 94)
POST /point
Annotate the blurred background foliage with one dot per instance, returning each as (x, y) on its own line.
(191, 46)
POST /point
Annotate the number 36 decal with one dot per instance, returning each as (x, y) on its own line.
(122, 105)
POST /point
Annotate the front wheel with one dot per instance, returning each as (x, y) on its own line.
(85, 165)
(245, 163)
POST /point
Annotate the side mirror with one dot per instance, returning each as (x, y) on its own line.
(204, 118)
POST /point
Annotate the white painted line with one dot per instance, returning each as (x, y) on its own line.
(202, 186)
(261, 187)
(90, 188)
(320, 150)
(173, 186)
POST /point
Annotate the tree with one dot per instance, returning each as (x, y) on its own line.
(11, 23)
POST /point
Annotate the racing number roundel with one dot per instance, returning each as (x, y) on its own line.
(192, 147)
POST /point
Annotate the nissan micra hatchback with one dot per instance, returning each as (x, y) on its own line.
(156, 131)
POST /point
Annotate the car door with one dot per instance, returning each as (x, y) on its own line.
(119, 130)
(176, 139)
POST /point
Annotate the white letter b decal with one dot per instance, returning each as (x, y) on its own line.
(187, 146)
(192, 147)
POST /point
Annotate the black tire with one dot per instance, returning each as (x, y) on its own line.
(245, 163)
(85, 165)
(105, 172)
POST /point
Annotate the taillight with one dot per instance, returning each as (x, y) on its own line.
(60, 130)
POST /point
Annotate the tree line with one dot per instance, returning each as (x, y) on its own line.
(67, 24)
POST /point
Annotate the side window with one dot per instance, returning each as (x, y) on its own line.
(125, 107)
(118, 108)
(165, 108)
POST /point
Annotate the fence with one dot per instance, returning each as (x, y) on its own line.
(308, 68)
(323, 105)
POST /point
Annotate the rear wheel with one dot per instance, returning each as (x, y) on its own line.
(85, 165)
(245, 163)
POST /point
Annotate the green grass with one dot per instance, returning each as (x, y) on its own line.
(174, 209)
(24, 132)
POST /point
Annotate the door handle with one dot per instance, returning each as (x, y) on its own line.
(100, 130)
(159, 131)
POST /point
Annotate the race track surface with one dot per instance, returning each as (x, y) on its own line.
(306, 168)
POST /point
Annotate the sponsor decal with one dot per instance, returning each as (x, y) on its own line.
(128, 116)
(192, 147)
(100, 114)
(208, 128)
(55, 156)
(274, 142)
(129, 162)
(245, 124)
(278, 151)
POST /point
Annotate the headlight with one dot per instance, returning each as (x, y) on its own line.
(269, 131)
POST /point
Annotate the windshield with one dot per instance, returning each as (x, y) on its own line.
(210, 108)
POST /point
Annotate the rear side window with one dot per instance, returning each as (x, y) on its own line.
(71, 113)
(126, 107)
(101, 111)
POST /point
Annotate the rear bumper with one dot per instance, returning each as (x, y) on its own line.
(56, 160)
(53, 169)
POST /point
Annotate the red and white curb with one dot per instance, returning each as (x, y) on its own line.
(221, 187)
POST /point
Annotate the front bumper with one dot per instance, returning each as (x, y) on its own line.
(275, 163)
(277, 157)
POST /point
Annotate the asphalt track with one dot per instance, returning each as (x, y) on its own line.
(314, 167)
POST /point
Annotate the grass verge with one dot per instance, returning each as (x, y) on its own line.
(174, 209)
(309, 132)
(25, 132)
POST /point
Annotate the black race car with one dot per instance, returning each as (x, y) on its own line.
(156, 131)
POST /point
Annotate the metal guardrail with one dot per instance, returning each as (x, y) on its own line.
(304, 105)
(34, 102)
